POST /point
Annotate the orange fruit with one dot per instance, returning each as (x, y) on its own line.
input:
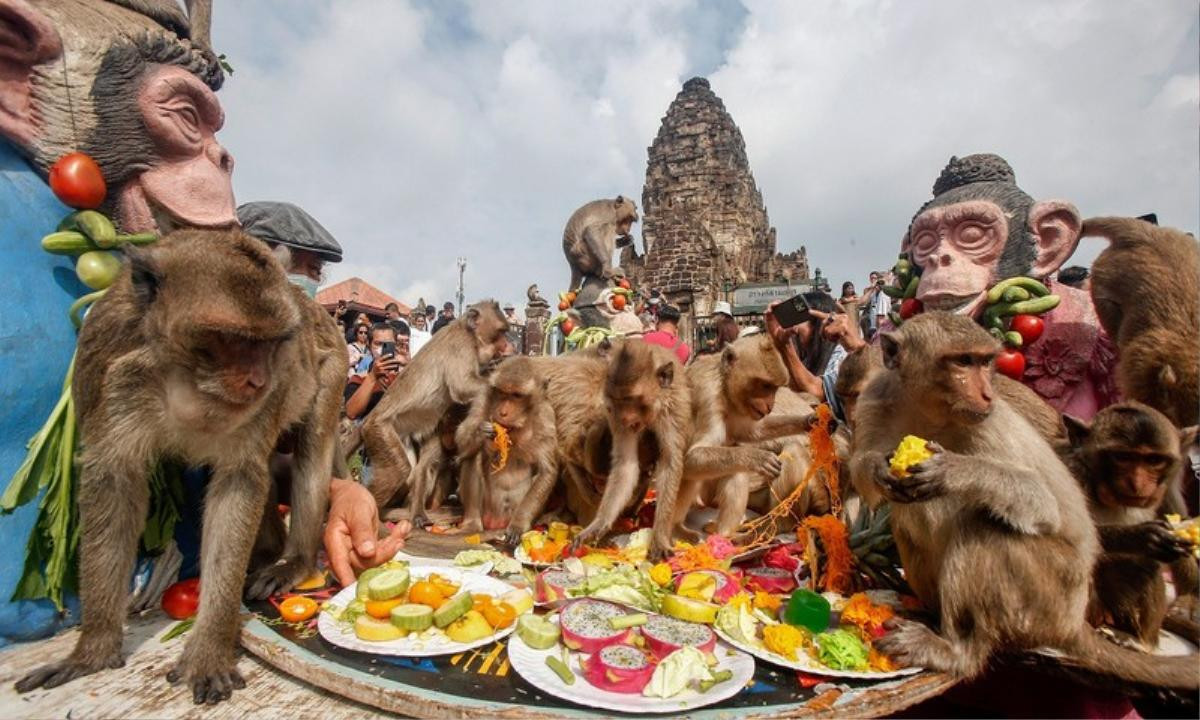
(424, 592)
(298, 608)
(618, 302)
(382, 609)
(499, 615)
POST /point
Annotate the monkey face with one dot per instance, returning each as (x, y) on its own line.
(969, 384)
(510, 408)
(235, 371)
(757, 397)
(631, 413)
(1137, 477)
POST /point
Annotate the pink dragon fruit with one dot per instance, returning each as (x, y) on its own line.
(618, 668)
(664, 635)
(770, 580)
(585, 625)
(552, 585)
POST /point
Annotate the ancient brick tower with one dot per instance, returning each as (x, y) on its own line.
(704, 226)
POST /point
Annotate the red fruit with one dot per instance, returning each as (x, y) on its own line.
(564, 305)
(552, 585)
(664, 635)
(770, 580)
(910, 307)
(618, 302)
(585, 625)
(619, 668)
(568, 327)
(77, 181)
(1029, 327)
(624, 283)
(182, 600)
(1011, 362)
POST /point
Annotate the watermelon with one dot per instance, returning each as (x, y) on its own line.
(664, 635)
(619, 669)
(586, 626)
(770, 580)
(552, 585)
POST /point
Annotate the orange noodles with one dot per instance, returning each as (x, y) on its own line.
(839, 561)
(502, 443)
(762, 530)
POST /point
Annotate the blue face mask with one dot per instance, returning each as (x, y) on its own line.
(305, 283)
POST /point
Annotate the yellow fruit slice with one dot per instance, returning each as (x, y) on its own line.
(696, 611)
(909, 452)
(376, 630)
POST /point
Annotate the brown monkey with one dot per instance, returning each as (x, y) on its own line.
(436, 471)
(648, 402)
(507, 493)
(1128, 459)
(448, 370)
(993, 532)
(1146, 289)
(593, 232)
(204, 353)
(732, 398)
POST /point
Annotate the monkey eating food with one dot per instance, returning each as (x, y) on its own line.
(993, 531)
(201, 352)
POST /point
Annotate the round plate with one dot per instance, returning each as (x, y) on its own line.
(409, 646)
(806, 664)
(1171, 645)
(531, 665)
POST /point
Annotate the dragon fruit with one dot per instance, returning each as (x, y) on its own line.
(770, 580)
(585, 625)
(552, 585)
(618, 668)
(725, 588)
(664, 635)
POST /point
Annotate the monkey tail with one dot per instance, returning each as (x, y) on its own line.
(1120, 231)
(1179, 672)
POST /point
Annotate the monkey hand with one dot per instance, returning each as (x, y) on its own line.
(763, 462)
(352, 539)
(925, 481)
(488, 429)
(660, 548)
(590, 535)
(1161, 543)
(909, 643)
(209, 668)
(512, 535)
(84, 661)
(284, 575)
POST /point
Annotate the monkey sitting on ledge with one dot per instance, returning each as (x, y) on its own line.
(993, 531)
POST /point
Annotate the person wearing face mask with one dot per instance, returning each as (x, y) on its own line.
(301, 243)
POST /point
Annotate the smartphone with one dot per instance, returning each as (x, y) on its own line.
(792, 311)
(387, 349)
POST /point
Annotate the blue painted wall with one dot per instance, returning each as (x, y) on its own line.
(36, 342)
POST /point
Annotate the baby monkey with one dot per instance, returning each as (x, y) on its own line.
(506, 450)
(1128, 460)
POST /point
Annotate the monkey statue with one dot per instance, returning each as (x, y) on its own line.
(980, 228)
(203, 352)
(993, 531)
(1129, 459)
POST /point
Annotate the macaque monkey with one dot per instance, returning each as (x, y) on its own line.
(1146, 289)
(993, 531)
(593, 232)
(436, 470)
(501, 493)
(1128, 459)
(732, 398)
(449, 369)
(648, 402)
(201, 352)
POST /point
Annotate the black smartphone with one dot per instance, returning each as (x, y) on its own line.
(387, 349)
(792, 311)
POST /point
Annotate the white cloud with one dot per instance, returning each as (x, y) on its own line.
(418, 132)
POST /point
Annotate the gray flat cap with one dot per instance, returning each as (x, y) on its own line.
(285, 224)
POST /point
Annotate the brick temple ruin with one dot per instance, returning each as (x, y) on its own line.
(705, 230)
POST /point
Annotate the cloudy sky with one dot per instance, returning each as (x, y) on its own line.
(418, 132)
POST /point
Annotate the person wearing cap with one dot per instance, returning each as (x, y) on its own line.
(724, 324)
(302, 243)
(666, 333)
(446, 318)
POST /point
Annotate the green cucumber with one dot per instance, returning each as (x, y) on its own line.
(1033, 286)
(412, 617)
(894, 293)
(95, 225)
(1014, 294)
(360, 589)
(387, 585)
(910, 290)
(538, 633)
(561, 670)
(1012, 338)
(67, 242)
(625, 622)
(452, 609)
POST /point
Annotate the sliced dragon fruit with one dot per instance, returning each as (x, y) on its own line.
(585, 625)
(552, 585)
(664, 635)
(618, 668)
(771, 580)
(726, 584)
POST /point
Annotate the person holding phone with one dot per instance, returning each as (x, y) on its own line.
(813, 337)
(387, 359)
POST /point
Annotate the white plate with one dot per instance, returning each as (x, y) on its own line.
(531, 665)
(411, 646)
(804, 663)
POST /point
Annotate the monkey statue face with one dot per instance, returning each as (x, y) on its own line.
(637, 377)
(981, 228)
(141, 103)
(946, 363)
(753, 372)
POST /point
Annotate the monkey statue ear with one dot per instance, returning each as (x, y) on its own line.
(144, 272)
(1078, 430)
(29, 39)
(1188, 437)
(666, 374)
(889, 345)
(1056, 226)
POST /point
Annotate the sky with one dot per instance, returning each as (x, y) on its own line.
(418, 132)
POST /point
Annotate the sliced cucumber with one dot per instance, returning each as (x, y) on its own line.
(360, 589)
(538, 633)
(452, 609)
(388, 584)
(412, 617)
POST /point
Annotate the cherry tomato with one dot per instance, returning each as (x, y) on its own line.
(618, 302)
(910, 307)
(568, 327)
(624, 283)
(381, 609)
(564, 305)
(299, 608)
(76, 180)
(182, 600)
(1029, 327)
(1011, 362)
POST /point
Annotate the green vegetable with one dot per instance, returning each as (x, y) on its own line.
(501, 563)
(894, 293)
(910, 290)
(1013, 339)
(560, 668)
(719, 676)
(627, 621)
(67, 242)
(180, 628)
(98, 228)
(738, 623)
(622, 584)
(1033, 286)
(1015, 293)
(841, 650)
(1034, 306)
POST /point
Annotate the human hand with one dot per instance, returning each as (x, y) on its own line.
(385, 369)
(778, 333)
(352, 540)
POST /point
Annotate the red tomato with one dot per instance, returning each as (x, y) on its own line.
(77, 181)
(618, 302)
(910, 307)
(568, 327)
(1011, 363)
(564, 305)
(182, 600)
(1029, 327)
(624, 283)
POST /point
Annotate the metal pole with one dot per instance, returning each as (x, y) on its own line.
(462, 267)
